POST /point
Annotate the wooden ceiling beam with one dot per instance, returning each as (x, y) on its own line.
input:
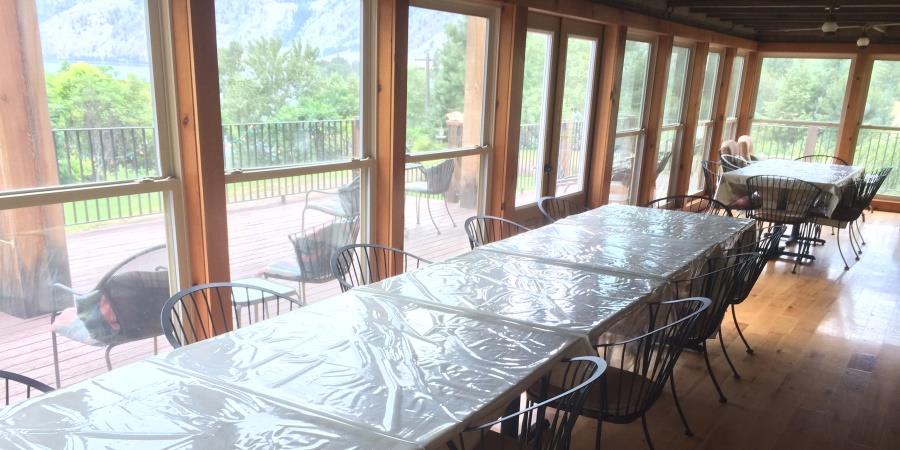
(768, 3)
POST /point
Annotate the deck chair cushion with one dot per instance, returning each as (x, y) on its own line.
(137, 298)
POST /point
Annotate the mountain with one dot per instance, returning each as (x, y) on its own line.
(113, 31)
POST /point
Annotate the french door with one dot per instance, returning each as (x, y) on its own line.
(558, 92)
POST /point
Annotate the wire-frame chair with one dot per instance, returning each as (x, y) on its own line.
(782, 200)
(712, 175)
(437, 182)
(483, 230)
(732, 162)
(555, 208)
(199, 312)
(691, 203)
(721, 277)
(639, 367)
(823, 159)
(550, 412)
(361, 264)
(13, 383)
(766, 246)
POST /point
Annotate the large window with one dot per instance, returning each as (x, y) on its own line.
(878, 144)
(703, 136)
(630, 122)
(447, 124)
(86, 198)
(534, 117)
(734, 94)
(798, 106)
(293, 113)
(673, 120)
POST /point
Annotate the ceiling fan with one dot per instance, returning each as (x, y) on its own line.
(830, 27)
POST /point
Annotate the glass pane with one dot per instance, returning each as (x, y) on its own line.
(877, 148)
(634, 85)
(623, 168)
(678, 70)
(445, 80)
(576, 104)
(883, 102)
(710, 80)
(286, 229)
(532, 140)
(802, 89)
(440, 196)
(701, 151)
(734, 86)
(290, 87)
(669, 142)
(111, 252)
(89, 89)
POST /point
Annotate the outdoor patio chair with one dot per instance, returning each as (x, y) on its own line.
(550, 413)
(122, 308)
(313, 250)
(361, 264)
(691, 203)
(483, 230)
(436, 181)
(555, 208)
(712, 175)
(823, 159)
(342, 202)
(732, 162)
(14, 383)
(199, 312)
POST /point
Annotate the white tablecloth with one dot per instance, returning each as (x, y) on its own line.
(830, 178)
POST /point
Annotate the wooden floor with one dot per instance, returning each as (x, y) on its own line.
(826, 369)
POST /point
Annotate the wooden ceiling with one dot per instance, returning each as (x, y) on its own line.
(768, 20)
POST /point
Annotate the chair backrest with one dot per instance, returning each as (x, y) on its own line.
(199, 312)
(314, 248)
(745, 144)
(17, 386)
(547, 422)
(486, 229)
(136, 290)
(439, 177)
(691, 203)
(348, 195)
(720, 279)
(823, 159)
(361, 264)
(766, 246)
(642, 365)
(732, 162)
(555, 208)
(868, 189)
(781, 200)
(712, 174)
(663, 162)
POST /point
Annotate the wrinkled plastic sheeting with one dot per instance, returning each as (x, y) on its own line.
(527, 290)
(403, 369)
(145, 405)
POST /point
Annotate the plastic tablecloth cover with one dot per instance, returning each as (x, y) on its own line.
(831, 178)
(412, 371)
(528, 290)
(146, 405)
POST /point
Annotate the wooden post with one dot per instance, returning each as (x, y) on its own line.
(469, 168)
(33, 253)
(657, 101)
(691, 117)
(612, 58)
(749, 88)
(854, 104)
(721, 105)
(390, 128)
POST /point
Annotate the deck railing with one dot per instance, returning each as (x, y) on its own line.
(787, 139)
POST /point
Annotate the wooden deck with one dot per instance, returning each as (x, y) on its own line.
(257, 236)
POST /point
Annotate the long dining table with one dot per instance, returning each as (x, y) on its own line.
(408, 362)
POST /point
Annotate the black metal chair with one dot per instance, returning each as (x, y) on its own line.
(766, 247)
(313, 250)
(732, 162)
(639, 367)
(823, 159)
(361, 264)
(721, 278)
(691, 203)
(198, 313)
(550, 413)
(555, 208)
(712, 174)
(483, 230)
(786, 201)
(437, 181)
(121, 308)
(11, 380)
(342, 202)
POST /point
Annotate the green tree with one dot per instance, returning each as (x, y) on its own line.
(82, 95)
(449, 73)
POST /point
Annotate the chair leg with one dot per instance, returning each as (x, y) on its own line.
(725, 352)
(597, 436)
(737, 326)
(859, 231)
(712, 376)
(55, 358)
(108, 361)
(430, 216)
(155, 345)
(646, 431)
(841, 251)
(447, 207)
(687, 428)
(418, 206)
(853, 244)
